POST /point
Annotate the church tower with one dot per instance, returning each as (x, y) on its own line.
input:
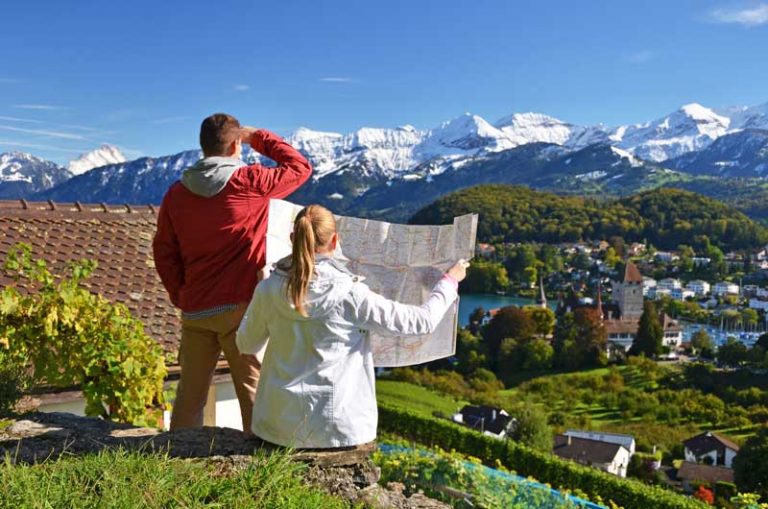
(628, 294)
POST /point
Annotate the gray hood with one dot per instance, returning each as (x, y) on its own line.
(331, 284)
(209, 175)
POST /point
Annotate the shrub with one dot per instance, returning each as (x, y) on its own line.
(68, 336)
(12, 385)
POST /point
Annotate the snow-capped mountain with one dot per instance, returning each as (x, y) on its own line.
(22, 174)
(102, 156)
(743, 117)
(742, 153)
(370, 169)
(523, 128)
(142, 181)
(692, 127)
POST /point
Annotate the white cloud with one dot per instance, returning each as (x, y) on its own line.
(337, 79)
(242, 87)
(41, 146)
(747, 16)
(38, 107)
(52, 124)
(41, 132)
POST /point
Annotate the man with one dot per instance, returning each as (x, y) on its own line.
(209, 248)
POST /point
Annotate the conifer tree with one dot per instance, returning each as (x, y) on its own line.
(649, 337)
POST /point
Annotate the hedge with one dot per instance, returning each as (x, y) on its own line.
(542, 466)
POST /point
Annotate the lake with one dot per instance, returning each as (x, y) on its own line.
(471, 301)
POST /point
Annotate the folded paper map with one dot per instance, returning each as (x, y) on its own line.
(400, 262)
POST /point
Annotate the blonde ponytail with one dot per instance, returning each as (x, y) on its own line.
(313, 228)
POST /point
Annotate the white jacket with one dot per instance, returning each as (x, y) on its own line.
(317, 387)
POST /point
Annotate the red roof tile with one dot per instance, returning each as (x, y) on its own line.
(632, 273)
(119, 238)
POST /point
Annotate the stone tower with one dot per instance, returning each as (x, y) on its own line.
(628, 294)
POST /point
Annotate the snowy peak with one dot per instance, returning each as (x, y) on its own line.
(102, 156)
(692, 127)
(755, 117)
(23, 174)
(522, 128)
(469, 132)
(706, 121)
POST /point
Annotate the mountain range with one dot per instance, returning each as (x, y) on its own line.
(390, 172)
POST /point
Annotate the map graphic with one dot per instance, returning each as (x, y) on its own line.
(400, 262)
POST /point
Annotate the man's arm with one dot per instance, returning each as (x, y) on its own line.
(167, 255)
(292, 169)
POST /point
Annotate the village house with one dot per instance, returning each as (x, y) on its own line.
(635, 249)
(710, 448)
(486, 251)
(649, 287)
(607, 456)
(701, 261)
(682, 294)
(628, 441)
(119, 239)
(699, 287)
(669, 283)
(491, 421)
(666, 256)
(724, 288)
(693, 474)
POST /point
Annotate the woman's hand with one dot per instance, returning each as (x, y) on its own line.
(459, 270)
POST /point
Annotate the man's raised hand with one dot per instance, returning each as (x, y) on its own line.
(246, 134)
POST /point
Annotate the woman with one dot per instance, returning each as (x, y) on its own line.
(317, 388)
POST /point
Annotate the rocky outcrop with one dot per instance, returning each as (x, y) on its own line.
(346, 473)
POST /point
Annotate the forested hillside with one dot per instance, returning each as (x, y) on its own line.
(665, 217)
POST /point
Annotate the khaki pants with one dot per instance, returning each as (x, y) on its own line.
(202, 341)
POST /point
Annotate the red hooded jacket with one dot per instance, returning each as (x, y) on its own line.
(209, 250)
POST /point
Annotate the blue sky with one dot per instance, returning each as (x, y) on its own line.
(141, 75)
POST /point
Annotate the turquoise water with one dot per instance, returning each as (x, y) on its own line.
(471, 301)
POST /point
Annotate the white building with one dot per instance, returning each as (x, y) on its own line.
(725, 288)
(701, 261)
(712, 449)
(609, 457)
(699, 287)
(666, 256)
(758, 304)
(668, 284)
(628, 441)
(649, 286)
(682, 294)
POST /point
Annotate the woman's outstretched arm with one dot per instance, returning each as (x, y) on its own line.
(373, 311)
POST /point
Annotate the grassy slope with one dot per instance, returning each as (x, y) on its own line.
(113, 480)
(415, 398)
(610, 419)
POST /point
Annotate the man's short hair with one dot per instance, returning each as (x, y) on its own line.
(217, 133)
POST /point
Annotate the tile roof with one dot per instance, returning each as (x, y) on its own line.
(118, 238)
(632, 273)
(707, 473)
(708, 442)
(585, 451)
